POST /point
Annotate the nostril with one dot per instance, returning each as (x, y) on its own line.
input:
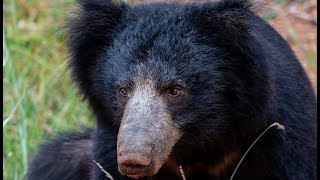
(134, 161)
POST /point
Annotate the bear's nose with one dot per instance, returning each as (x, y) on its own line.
(134, 160)
(135, 165)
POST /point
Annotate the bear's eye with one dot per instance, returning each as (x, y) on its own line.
(176, 91)
(123, 92)
(176, 96)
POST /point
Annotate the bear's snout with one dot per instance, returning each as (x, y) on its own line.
(146, 134)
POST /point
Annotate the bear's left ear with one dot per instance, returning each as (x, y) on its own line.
(223, 22)
(89, 30)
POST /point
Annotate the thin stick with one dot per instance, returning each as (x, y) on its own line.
(108, 175)
(182, 173)
(278, 125)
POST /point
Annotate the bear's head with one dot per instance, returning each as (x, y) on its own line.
(169, 77)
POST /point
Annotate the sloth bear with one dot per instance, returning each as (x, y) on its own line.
(183, 89)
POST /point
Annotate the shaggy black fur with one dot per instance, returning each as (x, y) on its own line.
(241, 77)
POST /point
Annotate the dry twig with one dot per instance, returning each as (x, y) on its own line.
(278, 125)
(182, 173)
(108, 175)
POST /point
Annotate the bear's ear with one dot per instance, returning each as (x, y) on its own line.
(89, 30)
(223, 22)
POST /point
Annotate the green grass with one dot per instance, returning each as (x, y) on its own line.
(38, 98)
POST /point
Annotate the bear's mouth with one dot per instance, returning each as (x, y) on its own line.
(137, 171)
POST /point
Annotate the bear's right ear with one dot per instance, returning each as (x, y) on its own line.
(89, 30)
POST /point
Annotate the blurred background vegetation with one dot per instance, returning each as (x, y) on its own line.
(38, 98)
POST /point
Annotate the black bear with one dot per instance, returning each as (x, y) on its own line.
(180, 91)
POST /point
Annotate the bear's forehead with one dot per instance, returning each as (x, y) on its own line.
(149, 23)
(158, 43)
(150, 43)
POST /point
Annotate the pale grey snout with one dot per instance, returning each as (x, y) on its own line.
(146, 135)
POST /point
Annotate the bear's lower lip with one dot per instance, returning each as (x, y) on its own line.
(135, 175)
(133, 172)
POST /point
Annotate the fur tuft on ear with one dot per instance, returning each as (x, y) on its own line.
(89, 30)
(252, 5)
(224, 21)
